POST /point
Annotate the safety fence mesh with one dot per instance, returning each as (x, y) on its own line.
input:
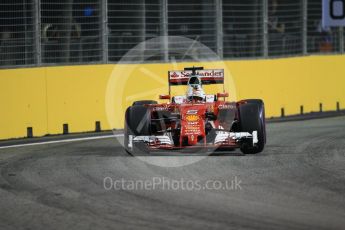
(63, 32)
(71, 31)
(242, 28)
(17, 33)
(320, 38)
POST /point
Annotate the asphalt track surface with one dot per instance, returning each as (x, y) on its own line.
(298, 182)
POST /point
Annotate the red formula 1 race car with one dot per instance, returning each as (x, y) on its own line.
(195, 120)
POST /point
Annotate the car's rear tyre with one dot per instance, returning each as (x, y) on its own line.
(137, 123)
(145, 102)
(252, 118)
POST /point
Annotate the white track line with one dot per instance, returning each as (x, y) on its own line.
(61, 141)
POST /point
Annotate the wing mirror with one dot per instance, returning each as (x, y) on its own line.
(224, 95)
(164, 97)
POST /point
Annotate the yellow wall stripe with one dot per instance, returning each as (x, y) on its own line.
(45, 98)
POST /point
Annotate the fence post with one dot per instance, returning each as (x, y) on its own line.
(219, 13)
(305, 26)
(164, 29)
(265, 28)
(37, 37)
(341, 38)
(105, 31)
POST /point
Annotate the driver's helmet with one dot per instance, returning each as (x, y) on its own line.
(195, 91)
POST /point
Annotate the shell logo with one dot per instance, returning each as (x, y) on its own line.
(192, 118)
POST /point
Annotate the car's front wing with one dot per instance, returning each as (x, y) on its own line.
(222, 139)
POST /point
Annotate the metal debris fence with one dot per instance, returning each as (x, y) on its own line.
(64, 32)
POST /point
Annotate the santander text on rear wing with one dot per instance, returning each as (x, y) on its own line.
(207, 76)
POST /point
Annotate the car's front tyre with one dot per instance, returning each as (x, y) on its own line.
(252, 118)
(137, 123)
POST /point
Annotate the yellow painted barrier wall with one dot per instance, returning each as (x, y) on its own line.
(45, 98)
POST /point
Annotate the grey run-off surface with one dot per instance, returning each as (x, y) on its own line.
(298, 182)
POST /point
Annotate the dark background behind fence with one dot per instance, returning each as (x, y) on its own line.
(54, 32)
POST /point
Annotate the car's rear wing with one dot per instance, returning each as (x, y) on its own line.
(207, 76)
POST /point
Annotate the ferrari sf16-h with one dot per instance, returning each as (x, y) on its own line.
(195, 120)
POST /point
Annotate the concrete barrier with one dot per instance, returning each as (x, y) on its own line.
(45, 98)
